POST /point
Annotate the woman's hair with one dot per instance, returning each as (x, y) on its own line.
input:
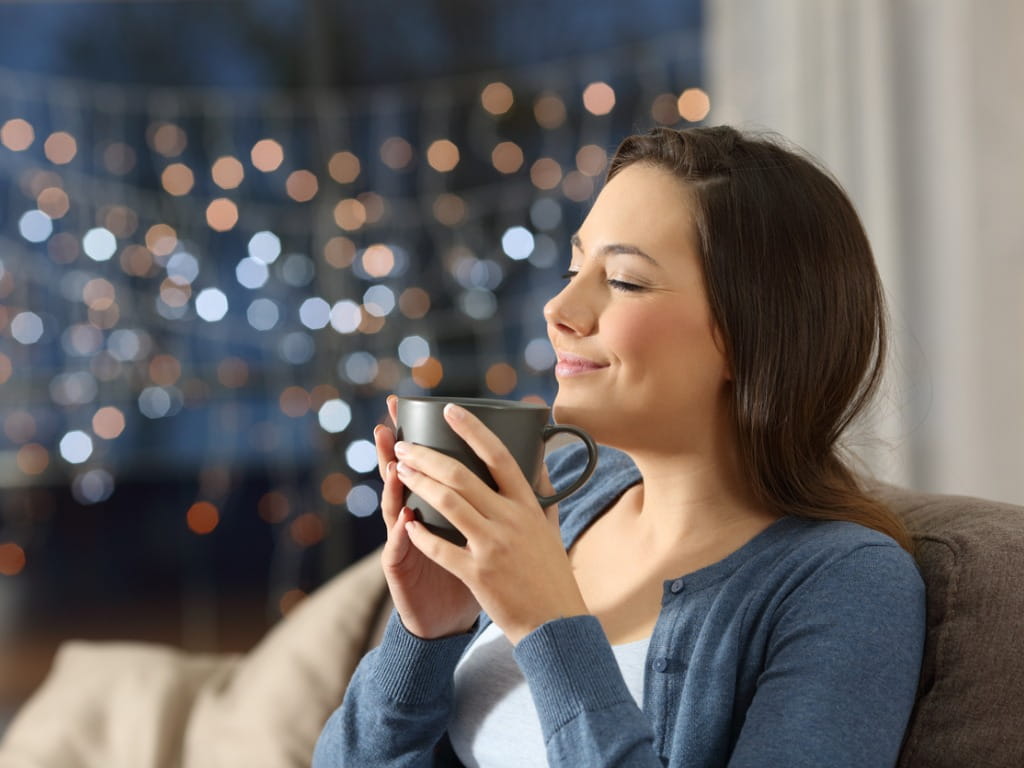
(796, 296)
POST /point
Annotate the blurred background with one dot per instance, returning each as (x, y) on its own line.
(229, 229)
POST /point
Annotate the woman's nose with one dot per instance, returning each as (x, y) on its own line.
(567, 311)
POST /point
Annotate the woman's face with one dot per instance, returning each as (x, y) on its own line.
(639, 365)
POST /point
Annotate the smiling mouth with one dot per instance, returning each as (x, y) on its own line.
(571, 365)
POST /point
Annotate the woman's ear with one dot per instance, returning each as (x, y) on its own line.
(719, 339)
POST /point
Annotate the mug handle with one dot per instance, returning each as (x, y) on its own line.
(550, 430)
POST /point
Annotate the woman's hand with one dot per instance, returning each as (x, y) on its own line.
(514, 561)
(430, 601)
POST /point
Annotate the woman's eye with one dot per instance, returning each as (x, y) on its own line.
(621, 285)
(569, 275)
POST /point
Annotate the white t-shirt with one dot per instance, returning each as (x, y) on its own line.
(495, 723)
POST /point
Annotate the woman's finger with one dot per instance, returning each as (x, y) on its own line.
(397, 545)
(447, 497)
(486, 445)
(452, 558)
(392, 401)
(392, 497)
(384, 440)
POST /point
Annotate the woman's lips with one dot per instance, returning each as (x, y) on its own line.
(572, 365)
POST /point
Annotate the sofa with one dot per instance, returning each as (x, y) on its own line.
(132, 705)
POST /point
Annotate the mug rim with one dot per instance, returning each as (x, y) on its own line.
(475, 402)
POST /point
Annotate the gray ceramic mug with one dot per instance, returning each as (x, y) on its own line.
(522, 427)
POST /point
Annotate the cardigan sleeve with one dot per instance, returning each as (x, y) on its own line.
(397, 704)
(588, 717)
(841, 669)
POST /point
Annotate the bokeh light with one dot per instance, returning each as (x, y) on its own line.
(350, 214)
(27, 328)
(346, 316)
(361, 456)
(221, 214)
(227, 172)
(497, 98)
(396, 153)
(99, 244)
(35, 226)
(60, 148)
(267, 155)
(599, 98)
(546, 173)
(211, 304)
(263, 314)
(177, 179)
(429, 373)
(307, 530)
(315, 313)
(335, 487)
(302, 186)
(161, 239)
(694, 105)
(414, 303)
(362, 501)
(167, 139)
(251, 273)
(334, 416)
(517, 243)
(413, 350)
(202, 518)
(344, 167)
(119, 158)
(265, 246)
(507, 157)
(17, 134)
(378, 260)
(273, 507)
(549, 110)
(54, 202)
(449, 209)
(76, 447)
(12, 559)
(33, 459)
(92, 487)
(443, 155)
(294, 402)
(501, 378)
(108, 422)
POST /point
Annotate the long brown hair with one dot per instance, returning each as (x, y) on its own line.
(797, 298)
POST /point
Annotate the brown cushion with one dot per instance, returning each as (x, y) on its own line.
(971, 699)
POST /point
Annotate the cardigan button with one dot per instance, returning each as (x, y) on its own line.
(660, 664)
(677, 586)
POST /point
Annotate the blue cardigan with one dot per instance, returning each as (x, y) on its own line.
(802, 648)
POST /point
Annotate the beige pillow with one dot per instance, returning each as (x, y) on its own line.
(132, 705)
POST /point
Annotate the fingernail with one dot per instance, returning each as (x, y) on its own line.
(405, 469)
(389, 468)
(401, 448)
(454, 412)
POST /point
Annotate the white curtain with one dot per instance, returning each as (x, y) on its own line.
(917, 106)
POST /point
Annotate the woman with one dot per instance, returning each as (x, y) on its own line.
(721, 592)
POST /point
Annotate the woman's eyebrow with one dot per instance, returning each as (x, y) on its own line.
(616, 248)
